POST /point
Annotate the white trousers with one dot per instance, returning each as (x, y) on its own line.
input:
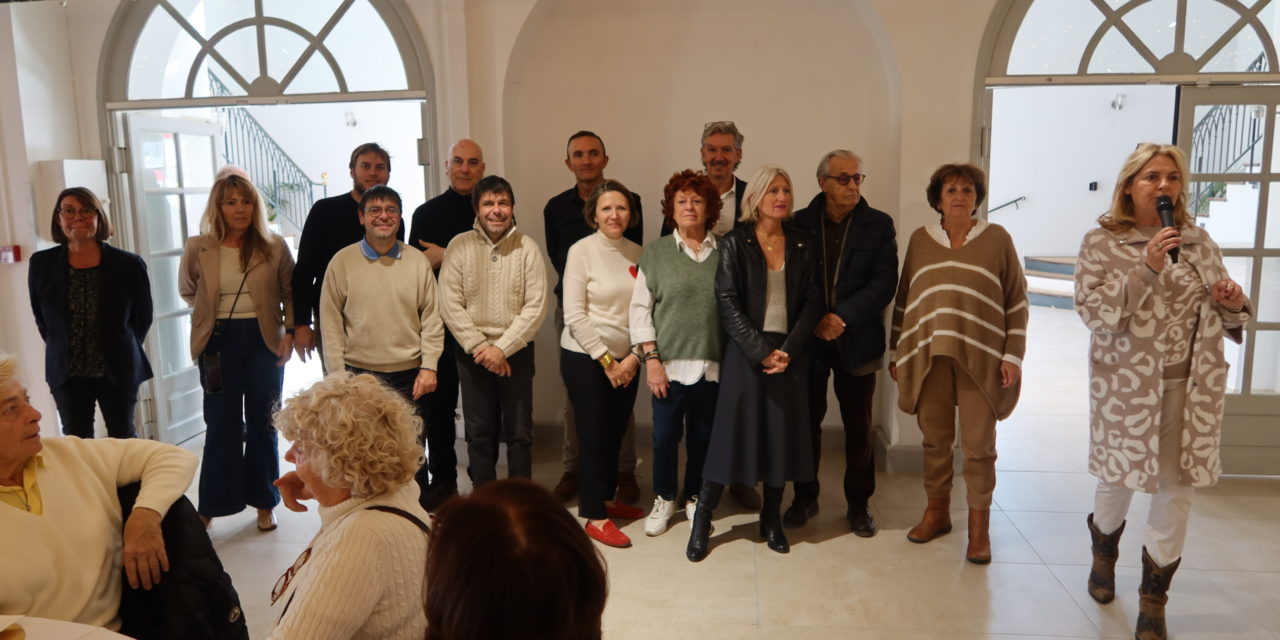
(1171, 504)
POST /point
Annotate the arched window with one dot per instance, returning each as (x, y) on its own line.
(1135, 40)
(211, 52)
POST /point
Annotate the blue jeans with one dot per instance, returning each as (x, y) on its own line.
(686, 406)
(241, 459)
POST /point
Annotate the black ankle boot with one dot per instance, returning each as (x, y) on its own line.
(699, 543)
(771, 520)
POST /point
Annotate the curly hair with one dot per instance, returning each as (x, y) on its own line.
(510, 562)
(963, 172)
(697, 182)
(361, 434)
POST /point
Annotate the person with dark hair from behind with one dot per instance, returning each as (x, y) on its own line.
(332, 223)
(564, 225)
(510, 562)
(92, 305)
(434, 225)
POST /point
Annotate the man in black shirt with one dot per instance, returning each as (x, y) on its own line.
(332, 223)
(435, 224)
(565, 224)
(858, 264)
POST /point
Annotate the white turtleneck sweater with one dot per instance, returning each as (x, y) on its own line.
(599, 278)
(365, 577)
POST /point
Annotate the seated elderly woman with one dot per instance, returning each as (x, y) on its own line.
(58, 505)
(355, 450)
(510, 562)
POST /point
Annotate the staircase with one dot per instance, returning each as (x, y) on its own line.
(287, 190)
(1049, 281)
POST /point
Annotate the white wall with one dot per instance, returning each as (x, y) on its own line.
(1049, 143)
(646, 77)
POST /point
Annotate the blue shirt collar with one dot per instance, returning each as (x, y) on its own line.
(369, 253)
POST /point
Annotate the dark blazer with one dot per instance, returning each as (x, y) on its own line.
(124, 314)
(739, 190)
(866, 282)
(741, 281)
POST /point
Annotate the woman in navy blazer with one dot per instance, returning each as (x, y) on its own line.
(92, 304)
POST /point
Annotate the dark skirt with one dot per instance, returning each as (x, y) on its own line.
(761, 430)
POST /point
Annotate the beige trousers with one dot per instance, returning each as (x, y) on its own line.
(946, 388)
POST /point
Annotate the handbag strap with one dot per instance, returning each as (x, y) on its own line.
(403, 514)
(238, 291)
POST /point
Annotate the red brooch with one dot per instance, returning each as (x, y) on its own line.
(634, 271)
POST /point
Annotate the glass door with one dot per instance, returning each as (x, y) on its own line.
(172, 163)
(1229, 136)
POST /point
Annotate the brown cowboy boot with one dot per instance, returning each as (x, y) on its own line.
(1106, 550)
(979, 551)
(1152, 596)
(935, 521)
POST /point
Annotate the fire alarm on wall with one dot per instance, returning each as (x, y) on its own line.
(10, 254)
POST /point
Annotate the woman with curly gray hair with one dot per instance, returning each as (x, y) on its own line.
(355, 450)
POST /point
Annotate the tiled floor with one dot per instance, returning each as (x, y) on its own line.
(835, 585)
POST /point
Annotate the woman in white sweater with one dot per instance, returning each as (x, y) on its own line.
(596, 361)
(355, 450)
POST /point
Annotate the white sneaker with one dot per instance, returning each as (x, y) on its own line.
(656, 523)
(691, 507)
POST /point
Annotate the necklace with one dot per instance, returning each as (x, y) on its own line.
(21, 493)
(771, 241)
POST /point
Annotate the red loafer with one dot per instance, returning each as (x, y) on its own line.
(609, 535)
(624, 511)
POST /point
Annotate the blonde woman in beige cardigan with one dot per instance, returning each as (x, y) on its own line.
(236, 275)
(1156, 369)
(958, 337)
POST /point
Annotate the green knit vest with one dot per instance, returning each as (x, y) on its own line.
(685, 315)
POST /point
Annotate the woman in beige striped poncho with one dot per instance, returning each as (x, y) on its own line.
(959, 334)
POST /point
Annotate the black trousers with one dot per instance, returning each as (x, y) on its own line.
(402, 382)
(497, 409)
(600, 414)
(77, 397)
(441, 415)
(854, 394)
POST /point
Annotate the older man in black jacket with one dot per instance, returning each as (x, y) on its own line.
(858, 264)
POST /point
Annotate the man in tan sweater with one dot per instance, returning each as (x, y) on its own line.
(493, 294)
(378, 307)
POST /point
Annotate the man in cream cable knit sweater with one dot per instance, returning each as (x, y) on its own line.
(378, 307)
(493, 295)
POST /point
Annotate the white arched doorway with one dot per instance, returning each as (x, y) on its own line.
(185, 87)
(1067, 87)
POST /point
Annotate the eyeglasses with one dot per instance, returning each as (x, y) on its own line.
(282, 584)
(69, 213)
(379, 211)
(844, 178)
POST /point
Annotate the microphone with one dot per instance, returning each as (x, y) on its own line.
(1164, 207)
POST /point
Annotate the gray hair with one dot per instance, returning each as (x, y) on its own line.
(8, 366)
(756, 188)
(825, 163)
(722, 126)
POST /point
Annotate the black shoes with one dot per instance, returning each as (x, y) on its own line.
(437, 494)
(799, 512)
(861, 522)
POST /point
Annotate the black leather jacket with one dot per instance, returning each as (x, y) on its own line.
(740, 291)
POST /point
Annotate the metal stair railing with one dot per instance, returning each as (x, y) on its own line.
(1223, 141)
(287, 190)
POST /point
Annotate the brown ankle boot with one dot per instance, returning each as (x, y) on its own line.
(935, 521)
(1152, 596)
(1106, 550)
(979, 551)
